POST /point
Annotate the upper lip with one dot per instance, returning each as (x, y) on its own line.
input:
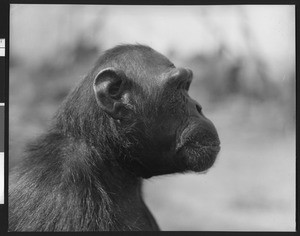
(214, 143)
(203, 145)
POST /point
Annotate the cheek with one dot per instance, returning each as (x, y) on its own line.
(167, 131)
(164, 141)
(170, 126)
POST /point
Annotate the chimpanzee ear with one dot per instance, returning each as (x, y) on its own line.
(109, 89)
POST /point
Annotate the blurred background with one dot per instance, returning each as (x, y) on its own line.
(243, 59)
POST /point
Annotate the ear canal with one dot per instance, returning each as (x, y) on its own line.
(109, 88)
(115, 88)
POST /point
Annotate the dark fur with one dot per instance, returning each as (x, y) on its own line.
(85, 173)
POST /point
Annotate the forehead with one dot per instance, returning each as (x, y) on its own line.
(140, 63)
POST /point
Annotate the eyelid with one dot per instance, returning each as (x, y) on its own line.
(187, 86)
(184, 83)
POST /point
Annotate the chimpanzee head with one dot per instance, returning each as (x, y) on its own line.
(146, 99)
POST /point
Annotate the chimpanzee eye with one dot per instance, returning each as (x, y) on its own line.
(187, 86)
(184, 85)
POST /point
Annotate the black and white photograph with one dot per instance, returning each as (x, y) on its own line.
(151, 118)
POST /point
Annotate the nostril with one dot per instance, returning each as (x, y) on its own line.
(199, 108)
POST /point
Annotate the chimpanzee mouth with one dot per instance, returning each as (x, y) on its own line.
(211, 150)
(212, 146)
(198, 157)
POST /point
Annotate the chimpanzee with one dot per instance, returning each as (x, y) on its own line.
(130, 118)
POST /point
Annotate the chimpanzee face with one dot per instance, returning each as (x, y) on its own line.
(148, 89)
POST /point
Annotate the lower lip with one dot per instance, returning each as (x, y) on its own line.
(213, 148)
